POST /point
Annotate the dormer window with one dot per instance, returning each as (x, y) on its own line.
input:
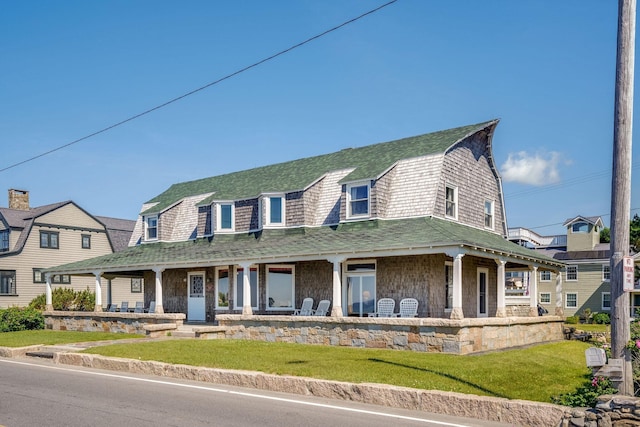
(4, 240)
(225, 216)
(451, 202)
(358, 205)
(151, 228)
(580, 227)
(275, 211)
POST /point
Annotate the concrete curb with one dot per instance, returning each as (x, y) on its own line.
(516, 412)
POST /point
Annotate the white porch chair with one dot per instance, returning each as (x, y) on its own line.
(385, 308)
(408, 307)
(323, 308)
(306, 309)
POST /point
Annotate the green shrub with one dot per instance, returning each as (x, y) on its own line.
(601, 318)
(587, 395)
(66, 299)
(572, 320)
(20, 319)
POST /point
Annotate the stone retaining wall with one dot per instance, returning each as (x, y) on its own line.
(610, 411)
(515, 412)
(418, 334)
(130, 323)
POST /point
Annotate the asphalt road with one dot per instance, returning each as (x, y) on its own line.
(36, 392)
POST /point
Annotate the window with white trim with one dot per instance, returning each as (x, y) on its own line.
(225, 216)
(280, 287)
(606, 301)
(358, 205)
(222, 288)
(488, 214)
(545, 276)
(275, 209)
(572, 273)
(253, 283)
(545, 297)
(451, 202)
(606, 272)
(571, 300)
(448, 286)
(151, 227)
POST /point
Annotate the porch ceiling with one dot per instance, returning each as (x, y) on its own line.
(372, 238)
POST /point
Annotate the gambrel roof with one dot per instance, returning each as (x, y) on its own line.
(367, 162)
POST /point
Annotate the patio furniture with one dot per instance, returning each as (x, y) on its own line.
(306, 309)
(112, 308)
(139, 307)
(152, 307)
(408, 307)
(323, 308)
(385, 308)
(124, 307)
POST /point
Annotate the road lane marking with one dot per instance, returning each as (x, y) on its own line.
(239, 393)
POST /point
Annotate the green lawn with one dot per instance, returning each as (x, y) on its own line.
(47, 337)
(535, 373)
(589, 327)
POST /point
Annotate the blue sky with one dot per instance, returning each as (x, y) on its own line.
(546, 69)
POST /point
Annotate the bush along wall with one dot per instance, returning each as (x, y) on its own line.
(20, 319)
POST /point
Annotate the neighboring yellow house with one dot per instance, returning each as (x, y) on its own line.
(32, 239)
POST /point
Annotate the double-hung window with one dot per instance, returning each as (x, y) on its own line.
(49, 239)
(545, 297)
(225, 216)
(280, 287)
(545, 276)
(8, 282)
(451, 202)
(606, 272)
(572, 273)
(488, 214)
(275, 209)
(86, 241)
(151, 228)
(358, 205)
(571, 300)
(606, 301)
(4, 240)
(38, 277)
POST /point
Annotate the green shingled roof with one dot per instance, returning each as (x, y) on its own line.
(349, 239)
(368, 162)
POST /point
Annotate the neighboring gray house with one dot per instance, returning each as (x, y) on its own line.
(33, 239)
(586, 274)
(420, 217)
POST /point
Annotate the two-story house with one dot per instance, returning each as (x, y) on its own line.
(33, 239)
(420, 217)
(585, 277)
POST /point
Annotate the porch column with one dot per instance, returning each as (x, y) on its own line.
(246, 289)
(48, 293)
(501, 310)
(336, 306)
(456, 310)
(159, 306)
(109, 297)
(533, 293)
(559, 309)
(98, 306)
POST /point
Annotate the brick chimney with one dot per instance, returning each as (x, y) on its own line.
(19, 199)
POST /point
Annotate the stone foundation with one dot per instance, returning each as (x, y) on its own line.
(130, 323)
(417, 334)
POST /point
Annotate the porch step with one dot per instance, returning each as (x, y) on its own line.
(183, 334)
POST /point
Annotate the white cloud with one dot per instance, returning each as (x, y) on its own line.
(533, 169)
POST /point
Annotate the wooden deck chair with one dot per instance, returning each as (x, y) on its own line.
(408, 307)
(385, 308)
(323, 308)
(124, 307)
(139, 307)
(306, 309)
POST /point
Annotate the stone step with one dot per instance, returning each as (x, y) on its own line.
(183, 334)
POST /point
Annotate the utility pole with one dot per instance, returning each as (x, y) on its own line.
(621, 189)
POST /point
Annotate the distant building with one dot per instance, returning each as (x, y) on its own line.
(32, 239)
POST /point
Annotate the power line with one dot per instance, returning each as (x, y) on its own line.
(228, 76)
(560, 223)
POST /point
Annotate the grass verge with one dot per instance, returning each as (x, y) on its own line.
(535, 373)
(48, 337)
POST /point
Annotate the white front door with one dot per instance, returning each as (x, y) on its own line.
(196, 307)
